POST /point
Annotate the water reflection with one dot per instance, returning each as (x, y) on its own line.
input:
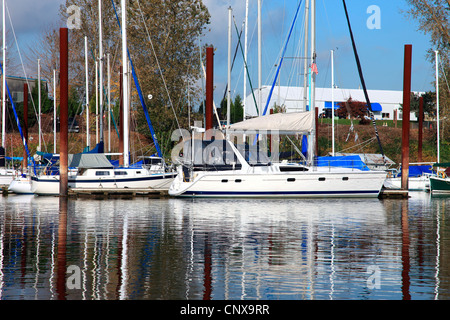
(223, 249)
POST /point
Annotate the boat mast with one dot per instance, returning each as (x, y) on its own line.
(100, 36)
(88, 138)
(305, 61)
(230, 12)
(54, 110)
(96, 101)
(109, 103)
(126, 156)
(313, 81)
(259, 59)
(245, 58)
(437, 105)
(332, 102)
(39, 101)
(4, 79)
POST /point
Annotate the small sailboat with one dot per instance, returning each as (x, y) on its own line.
(440, 183)
(21, 185)
(94, 171)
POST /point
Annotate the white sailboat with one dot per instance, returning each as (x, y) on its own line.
(94, 171)
(219, 168)
(422, 182)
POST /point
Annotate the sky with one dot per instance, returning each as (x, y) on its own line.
(381, 50)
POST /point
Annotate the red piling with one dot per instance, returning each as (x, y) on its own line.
(419, 156)
(63, 111)
(406, 115)
(209, 88)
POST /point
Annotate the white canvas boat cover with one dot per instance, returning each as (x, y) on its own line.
(89, 160)
(292, 122)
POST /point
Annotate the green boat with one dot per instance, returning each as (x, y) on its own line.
(441, 182)
(440, 185)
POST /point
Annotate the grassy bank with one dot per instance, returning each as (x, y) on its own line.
(362, 139)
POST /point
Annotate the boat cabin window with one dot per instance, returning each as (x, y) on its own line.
(102, 173)
(214, 155)
(152, 161)
(120, 173)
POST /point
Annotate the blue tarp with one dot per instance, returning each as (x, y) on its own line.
(376, 107)
(328, 105)
(416, 171)
(353, 161)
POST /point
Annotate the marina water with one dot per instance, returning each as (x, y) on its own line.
(218, 249)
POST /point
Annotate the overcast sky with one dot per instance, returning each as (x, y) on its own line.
(380, 50)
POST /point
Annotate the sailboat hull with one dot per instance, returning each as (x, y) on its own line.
(343, 184)
(49, 185)
(20, 185)
(6, 176)
(421, 183)
(440, 185)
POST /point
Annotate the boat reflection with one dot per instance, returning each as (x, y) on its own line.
(222, 249)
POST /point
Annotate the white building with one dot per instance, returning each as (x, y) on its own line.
(384, 102)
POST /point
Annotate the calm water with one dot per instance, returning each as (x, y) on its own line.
(224, 249)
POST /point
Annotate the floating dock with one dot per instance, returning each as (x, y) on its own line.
(116, 193)
(393, 194)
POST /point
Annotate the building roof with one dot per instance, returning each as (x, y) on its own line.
(292, 98)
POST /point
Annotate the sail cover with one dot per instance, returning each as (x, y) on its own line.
(89, 160)
(293, 122)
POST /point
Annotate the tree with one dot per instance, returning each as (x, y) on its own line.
(354, 109)
(429, 103)
(236, 109)
(163, 45)
(433, 17)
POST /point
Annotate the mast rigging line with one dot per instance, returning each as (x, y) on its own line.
(281, 60)
(23, 68)
(19, 126)
(159, 66)
(138, 88)
(363, 83)
(234, 59)
(246, 67)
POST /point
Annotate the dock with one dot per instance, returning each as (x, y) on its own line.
(393, 194)
(114, 193)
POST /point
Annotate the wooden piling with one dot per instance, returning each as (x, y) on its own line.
(63, 111)
(25, 127)
(419, 147)
(406, 115)
(209, 88)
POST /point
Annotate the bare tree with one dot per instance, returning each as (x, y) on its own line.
(163, 45)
